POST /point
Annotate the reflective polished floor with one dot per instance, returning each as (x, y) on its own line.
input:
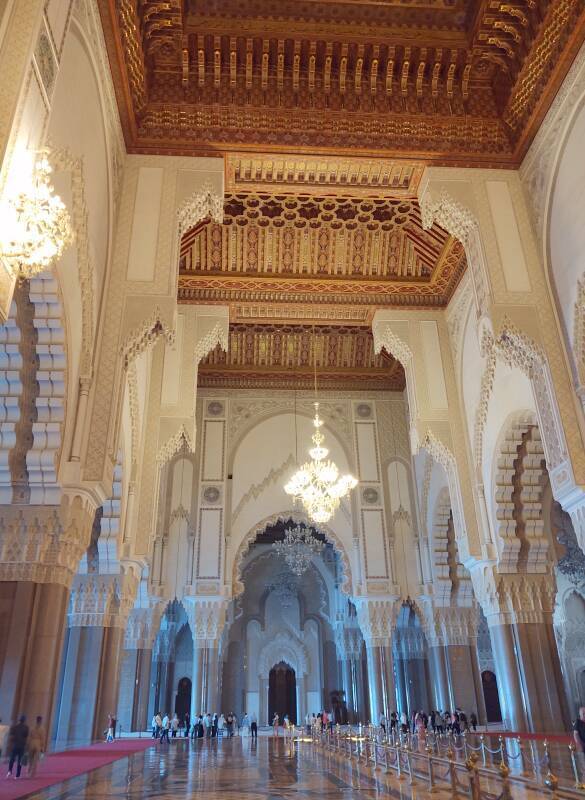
(226, 769)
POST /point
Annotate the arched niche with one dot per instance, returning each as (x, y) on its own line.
(262, 461)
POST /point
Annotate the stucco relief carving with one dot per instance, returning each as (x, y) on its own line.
(203, 204)
(457, 313)
(218, 335)
(284, 647)
(445, 626)
(296, 517)
(377, 620)
(513, 598)
(145, 335)
(87, 14)
(132, 378)
(206, 617)
(102, 600)
(64, 160)
(385, 338)
(461, 223)
(521, 475)
(257, 489)
(44, 544)
(180, 442)
(538, 167)
(426, 486)
(579, 339)
(246, 411)
(143, 625)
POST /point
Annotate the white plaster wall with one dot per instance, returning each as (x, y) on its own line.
(472, 369)
(259, 478)
(77, 123)
(567, 221)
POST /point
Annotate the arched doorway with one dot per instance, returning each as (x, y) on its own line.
(490, 693)
(282, 692)
(183, 699)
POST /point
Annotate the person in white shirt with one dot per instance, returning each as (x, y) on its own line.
(174, 726)
(245, 725)
(166, 724)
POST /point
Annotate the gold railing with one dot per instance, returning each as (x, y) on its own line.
(465, 763)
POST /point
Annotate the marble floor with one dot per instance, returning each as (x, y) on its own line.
(231, 768)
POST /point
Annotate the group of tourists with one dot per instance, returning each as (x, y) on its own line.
(23, 746)
(439, 722)
(204, 726)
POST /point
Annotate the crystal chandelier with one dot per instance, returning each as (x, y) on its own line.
(285, 587)
(298, 548)
(317, 483)
(38, 225)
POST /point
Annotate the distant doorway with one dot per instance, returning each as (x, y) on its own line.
(183, 699)
(490, 694)
(282, 692)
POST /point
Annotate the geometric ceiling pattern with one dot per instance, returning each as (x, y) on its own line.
(280, 356)
(336, 252)
(462, 82)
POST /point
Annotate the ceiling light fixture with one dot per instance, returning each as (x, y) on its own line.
(36, 225)
(317, 483)
(298, 548)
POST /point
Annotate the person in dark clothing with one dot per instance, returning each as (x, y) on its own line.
(17, 737)
(579, 731)
(187, 724)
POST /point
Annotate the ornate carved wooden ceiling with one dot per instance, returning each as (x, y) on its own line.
(307, 257)
(448, 81)
(281, 357)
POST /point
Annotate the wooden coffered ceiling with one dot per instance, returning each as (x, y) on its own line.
(280, 356)
(463, 82)
(336, 258)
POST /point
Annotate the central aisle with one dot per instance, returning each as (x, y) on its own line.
(230, 769)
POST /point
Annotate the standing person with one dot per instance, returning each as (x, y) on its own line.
(114, 723)
(187, 723)
(174, 725)
(17, 738)
(382, 723)
(253, 725)
(166, 724)
(275, 721)
(214, 721)
(158, 721)
(440, 726)
(221, 726)
(110, 729)
(37, 742)
(403, 723)
(246, 725)
(308, 722)
(154, 727)
(579, 732)
(393, 722)
(433, 721)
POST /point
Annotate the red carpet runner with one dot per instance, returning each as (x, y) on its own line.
(58, 767)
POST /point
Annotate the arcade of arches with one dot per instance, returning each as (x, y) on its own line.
(156, 384)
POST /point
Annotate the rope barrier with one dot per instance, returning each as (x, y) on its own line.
(410, 757)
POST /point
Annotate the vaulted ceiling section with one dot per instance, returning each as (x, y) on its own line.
(447, 81)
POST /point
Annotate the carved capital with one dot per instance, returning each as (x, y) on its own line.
(207, 617)
(377, 619)
(449, 625)
(44, 544)
(513, 598)
(102, 600)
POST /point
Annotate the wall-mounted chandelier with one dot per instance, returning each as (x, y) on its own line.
(298, 548)
(36, 225)
(317, 483)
